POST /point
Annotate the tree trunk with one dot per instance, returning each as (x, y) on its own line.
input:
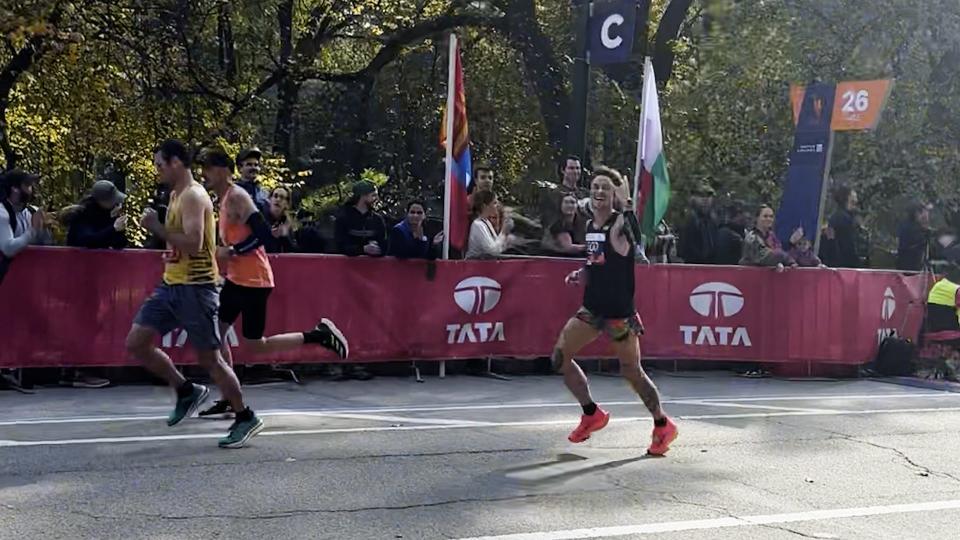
(542, 66)
(228, 55)
(288, 95)
(21, 61)
(667, 32)
(288, 89)
(363, 95)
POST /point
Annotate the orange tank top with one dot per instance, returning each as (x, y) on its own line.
(249, 270)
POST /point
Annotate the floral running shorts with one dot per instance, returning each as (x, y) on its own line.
(618, 329)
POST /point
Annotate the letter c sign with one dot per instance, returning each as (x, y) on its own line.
(609, 41)
(612, 24)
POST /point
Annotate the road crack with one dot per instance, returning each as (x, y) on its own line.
(910, 462)
(284, 514)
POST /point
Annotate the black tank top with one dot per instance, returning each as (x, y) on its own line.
(610, 278)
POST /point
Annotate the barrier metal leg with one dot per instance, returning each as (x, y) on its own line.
(488, 372)
(285, 371)
(416, 371)
(443, 369)
(14, 381)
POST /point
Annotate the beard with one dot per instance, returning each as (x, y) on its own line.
(25, 197)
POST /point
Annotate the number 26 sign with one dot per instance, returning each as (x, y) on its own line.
(856, 106)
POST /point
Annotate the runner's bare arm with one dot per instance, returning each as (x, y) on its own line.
(190, 241)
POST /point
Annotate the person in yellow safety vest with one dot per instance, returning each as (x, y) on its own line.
(943, 305)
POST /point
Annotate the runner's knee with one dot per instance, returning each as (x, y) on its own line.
(208, 359)
(631, 369)
(558, 358)
(138, 342)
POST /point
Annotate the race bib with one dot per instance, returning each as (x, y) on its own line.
(595, 243)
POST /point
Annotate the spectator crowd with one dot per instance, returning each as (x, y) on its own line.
(729, 234)
(733, 233)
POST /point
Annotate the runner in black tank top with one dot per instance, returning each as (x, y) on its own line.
(610, 279)
(608, 308)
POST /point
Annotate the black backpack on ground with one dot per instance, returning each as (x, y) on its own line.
(897, 357)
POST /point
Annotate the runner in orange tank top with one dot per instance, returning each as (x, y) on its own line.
(249, 277)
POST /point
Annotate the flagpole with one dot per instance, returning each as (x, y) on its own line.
(451, 111)
(638, 170)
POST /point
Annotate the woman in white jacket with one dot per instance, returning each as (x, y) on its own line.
(485, 242)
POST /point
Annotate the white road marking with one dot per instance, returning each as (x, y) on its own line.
(533, 423)
(727, 522)
(395, 419)
(706, 401)
(717, 404)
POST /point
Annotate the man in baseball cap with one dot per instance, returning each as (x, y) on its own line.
(107, 194)
(248, 161)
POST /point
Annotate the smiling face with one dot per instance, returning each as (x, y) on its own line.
(765, 219)
(568, 207)
(250, 169)
(602, 193)
(571, 172)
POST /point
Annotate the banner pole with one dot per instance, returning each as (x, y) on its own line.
(451, 111)
(637, 173)
(823, 193)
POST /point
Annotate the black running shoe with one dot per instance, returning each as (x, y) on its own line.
(333, 338)
(221, 408)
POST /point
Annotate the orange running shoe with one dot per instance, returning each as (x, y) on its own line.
(589, 424)
(662, 437)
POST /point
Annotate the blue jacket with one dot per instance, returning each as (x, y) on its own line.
(404, 246)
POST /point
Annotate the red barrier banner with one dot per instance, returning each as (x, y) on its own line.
(66, 307)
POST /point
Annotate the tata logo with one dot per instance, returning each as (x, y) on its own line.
(889, 304)
(476, 296)
(887, 308)
(716, 302)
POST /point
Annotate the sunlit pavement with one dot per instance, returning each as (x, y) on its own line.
(468, 457)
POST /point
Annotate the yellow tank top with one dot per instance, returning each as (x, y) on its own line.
(199, 269)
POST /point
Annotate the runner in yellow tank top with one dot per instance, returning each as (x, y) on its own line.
(187, 298)
(199, 268)
(249, 277)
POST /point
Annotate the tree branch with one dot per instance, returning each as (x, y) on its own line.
(19, 63)
(667, 32)
(394, 44)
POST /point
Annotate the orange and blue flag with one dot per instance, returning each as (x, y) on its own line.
(461, 174)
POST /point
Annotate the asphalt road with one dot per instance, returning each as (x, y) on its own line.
(467, 457)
